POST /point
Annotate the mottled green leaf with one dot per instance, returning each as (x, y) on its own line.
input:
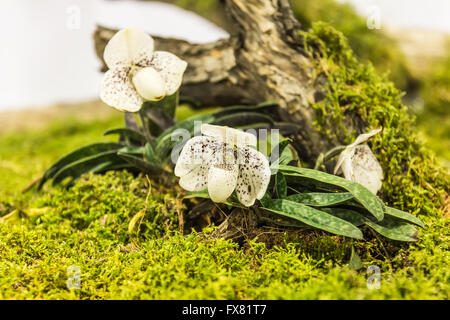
(140, 163)
(394, 229)
(390, 227)
(361, 194)
(242, 119)
(198, 194)
(281, 186)
(351, 216)
(319, 199)
(313, 217)
(150, 154)
(131, 150)
(392, 212)
(299, 182)
(265, 106)
(169, 104)
(158, 115)
(278, 220)
(403, 215)
(269, 192)
(285, 128)
(131, 135)
(283, 156)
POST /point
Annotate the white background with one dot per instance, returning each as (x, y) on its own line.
(44, 61)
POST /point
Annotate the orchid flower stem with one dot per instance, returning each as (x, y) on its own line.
(322, 158)
(145, 127)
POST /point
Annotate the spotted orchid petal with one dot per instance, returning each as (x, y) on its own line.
(349, 150)
(346, 163)
(117, 91)
(196, 179)
(254, 175)
(129, 47)
(346, 154)
(198, 155)
(229, 135)
(171, 68)
(222, 180)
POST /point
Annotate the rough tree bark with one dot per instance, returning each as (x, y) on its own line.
(263, 59)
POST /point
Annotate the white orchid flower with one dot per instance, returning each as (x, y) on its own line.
(360, 165)
(136, 72)
(223, 160)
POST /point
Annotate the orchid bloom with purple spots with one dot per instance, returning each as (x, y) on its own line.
(223, 160)
(358, 163)
(137, 73)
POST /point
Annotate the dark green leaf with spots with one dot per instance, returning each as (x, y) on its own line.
(402, 215)
(351, 216)
(394, 229)
(319, 199)
(281, 188)
(313, 217)
(361, 194)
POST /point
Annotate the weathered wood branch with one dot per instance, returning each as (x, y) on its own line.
(262, 60)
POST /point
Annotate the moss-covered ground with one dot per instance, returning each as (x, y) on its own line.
(123, 231)
(89, 226)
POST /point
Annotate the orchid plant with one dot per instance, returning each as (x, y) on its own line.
(219, 162)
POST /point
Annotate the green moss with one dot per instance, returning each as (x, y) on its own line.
(106, 205)
(87, 226)
(412, 179)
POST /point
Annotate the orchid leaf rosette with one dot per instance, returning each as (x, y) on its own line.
(222, 164)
